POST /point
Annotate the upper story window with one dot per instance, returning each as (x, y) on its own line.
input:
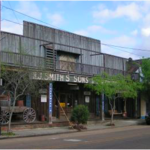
(67, 61)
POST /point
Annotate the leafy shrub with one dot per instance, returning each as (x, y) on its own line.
(80, 114)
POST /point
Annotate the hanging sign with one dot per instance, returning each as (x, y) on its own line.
(50, 102)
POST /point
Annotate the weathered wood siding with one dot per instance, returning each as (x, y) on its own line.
(67, 41)
(22, 51)
(115, 62)
(61, 37)
(36, 36)
(10, 42)
(32, 47)
(20, 44)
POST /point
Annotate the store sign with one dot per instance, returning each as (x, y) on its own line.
(59, 77)
(50, 102)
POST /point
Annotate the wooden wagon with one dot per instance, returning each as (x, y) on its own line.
(28, 114)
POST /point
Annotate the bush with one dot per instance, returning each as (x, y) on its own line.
(80, 114)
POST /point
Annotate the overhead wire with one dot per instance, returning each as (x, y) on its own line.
(109, 45)
(12, 21)
(30, 17)
(125, 51)
(138, 49)
(13, 12)
(95, 54)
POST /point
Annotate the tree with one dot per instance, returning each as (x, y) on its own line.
(114, 87)
(19, 83)
(145, 67)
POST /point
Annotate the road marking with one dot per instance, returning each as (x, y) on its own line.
(65, 145)
(72, 140)
(80, 135)
(54, 138)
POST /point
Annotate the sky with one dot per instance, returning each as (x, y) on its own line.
(122, 23)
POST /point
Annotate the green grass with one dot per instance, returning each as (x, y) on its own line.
(8, 134)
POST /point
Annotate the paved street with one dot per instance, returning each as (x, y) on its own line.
(122, 137)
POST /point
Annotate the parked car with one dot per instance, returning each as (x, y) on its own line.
(147, 119)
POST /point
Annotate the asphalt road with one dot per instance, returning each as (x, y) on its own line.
(137, 137)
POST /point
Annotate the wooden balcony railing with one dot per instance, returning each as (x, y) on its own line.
(15, 59)
(35, 62)
(84, 68)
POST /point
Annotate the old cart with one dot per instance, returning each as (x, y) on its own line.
(28, 114)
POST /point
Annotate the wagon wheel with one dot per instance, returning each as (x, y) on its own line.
(29, 115)
(4, 117)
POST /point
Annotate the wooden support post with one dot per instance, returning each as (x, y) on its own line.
(65, 114)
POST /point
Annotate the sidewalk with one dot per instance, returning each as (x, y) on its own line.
(60, 130)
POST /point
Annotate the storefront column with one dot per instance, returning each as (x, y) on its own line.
(50, 102)
(103, 107)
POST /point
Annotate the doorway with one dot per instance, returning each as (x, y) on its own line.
(66, 102)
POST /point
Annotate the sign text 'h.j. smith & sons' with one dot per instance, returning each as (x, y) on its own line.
(59, 77)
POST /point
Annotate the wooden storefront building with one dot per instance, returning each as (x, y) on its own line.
(68, 61)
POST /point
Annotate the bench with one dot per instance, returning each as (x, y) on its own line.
(115, 112)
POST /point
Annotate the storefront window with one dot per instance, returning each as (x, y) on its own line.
(67, 61)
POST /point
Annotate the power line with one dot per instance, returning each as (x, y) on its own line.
(13, 12)
(67, 31)
(31, 17)
(50, 25)
(125, 47)
(125, 51)
(92, 54)
(12, 21)
(40, 29)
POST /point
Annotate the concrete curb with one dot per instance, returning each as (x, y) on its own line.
(35, 135)
(66, 132)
